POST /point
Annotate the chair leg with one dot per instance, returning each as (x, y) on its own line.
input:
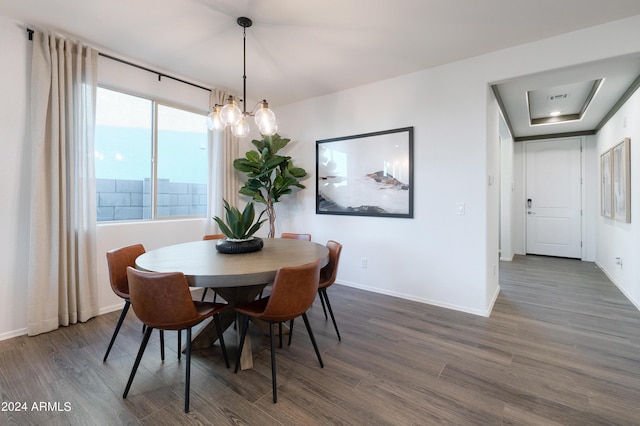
(290, 332)
(143, 346)
(323, 293)
(242, 337)
(204, 294)
(162, 345)
(313, 340)
(324, 309)
(273, 364)
(127, 303)
(179, 343)
(216, 321)
(187, 379)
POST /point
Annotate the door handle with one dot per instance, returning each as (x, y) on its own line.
(530, 212)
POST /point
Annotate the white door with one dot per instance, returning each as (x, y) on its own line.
(553, 198)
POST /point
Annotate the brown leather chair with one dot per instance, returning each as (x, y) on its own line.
(293, 236)
(211, 237)
(327, 277)
(162, 300)
(294, 289)
(117, 261)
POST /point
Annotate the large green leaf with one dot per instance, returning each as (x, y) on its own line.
(246, 166)
(274, 162)
(253, 156)
(259, 144)
(298, 172)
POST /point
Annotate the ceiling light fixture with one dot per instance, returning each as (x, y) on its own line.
(230, 115)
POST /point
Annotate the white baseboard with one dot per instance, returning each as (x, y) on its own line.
(627, 295)
(13, 333)
(417, 299)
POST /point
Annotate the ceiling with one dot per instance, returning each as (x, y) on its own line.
(303, 49)
(558, 90)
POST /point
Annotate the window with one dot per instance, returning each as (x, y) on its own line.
(130, 132)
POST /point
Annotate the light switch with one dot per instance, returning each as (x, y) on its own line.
(459, 208)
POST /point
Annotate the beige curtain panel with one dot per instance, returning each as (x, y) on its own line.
(223, 180)
(61, 276)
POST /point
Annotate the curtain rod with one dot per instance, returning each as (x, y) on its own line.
(160, 74)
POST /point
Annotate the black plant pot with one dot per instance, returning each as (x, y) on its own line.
(239, 246)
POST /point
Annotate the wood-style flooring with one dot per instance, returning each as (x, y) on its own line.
(561, 347)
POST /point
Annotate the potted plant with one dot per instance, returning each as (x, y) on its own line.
(270, 175)
(239, 229)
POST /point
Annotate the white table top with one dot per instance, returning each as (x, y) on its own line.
(203, 266)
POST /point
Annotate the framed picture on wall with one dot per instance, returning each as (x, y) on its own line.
(621, 179)
(370, 174)
(606, 202)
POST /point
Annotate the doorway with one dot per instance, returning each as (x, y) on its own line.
(553, 197)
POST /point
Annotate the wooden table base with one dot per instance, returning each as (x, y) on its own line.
(206, 336)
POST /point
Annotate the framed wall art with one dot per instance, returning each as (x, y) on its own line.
(621, 180)
(370, 174)
(606, 202)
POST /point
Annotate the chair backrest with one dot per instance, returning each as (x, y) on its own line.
(293, 236)
(117, 261)
(330, 270)
(294, 290)
(162, 299)
(213, 237)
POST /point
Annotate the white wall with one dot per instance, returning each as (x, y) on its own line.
(410, 258)
(507, 187)
(14, 73)
(617, 239)
(438, 257)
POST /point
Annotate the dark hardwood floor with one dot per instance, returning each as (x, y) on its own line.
(562, 347)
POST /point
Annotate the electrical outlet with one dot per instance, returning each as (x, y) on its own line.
(363, 263)
(619, 262)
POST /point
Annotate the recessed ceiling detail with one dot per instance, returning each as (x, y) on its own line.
(560, 104)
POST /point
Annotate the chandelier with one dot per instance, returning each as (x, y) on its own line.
(230, 115)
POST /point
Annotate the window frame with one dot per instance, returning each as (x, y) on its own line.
(153, 190)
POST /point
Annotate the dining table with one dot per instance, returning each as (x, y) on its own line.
(237, 278)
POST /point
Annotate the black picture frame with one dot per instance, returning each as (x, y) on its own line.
(369, 174)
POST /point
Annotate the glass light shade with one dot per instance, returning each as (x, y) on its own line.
(213, 119)
(230, 113)
(266, 120)
(241, 128)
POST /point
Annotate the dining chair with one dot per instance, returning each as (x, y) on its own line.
(162, 300)
(294, 236)
(211, 237)
(327, 277)
(289, 236)
(294, 289)
(117, 262)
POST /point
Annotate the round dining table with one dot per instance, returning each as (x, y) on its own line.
(237, 278)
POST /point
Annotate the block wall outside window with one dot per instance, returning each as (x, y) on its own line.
(123, 199)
